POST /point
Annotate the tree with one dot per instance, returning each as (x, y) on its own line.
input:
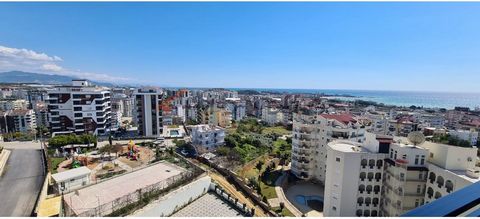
(259, 165)
(282, 206)
(110, 140)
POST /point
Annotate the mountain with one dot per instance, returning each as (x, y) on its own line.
(29, 77)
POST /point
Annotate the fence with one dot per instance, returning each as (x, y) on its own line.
(135, 200)
(240, 184)
(242, 207)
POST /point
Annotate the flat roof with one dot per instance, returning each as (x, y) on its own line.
(66, 175)
(107, 191)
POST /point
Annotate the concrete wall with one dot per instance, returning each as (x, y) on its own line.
(176, 199)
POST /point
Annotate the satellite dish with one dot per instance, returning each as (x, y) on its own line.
(416, 138)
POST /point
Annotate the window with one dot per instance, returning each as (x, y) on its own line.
(334, 208)
(419, 188)
(78, 114)
(423, 160)
(337, 159)
(395, 156)
(431, 155)
(416, 159)
(420, 175)
(404, 156)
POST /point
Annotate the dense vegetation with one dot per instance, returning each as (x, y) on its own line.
(252, 139)
(451, 140)
(62, 140)
(18, 136)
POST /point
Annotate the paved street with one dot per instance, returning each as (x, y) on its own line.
(21, 182)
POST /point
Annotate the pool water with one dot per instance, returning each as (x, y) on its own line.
(314, 202)
(174, 132)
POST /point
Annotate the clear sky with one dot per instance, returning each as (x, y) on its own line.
(374, 46)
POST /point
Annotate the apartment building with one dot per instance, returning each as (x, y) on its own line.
(236, 107)
(354, 178)
(405, 179)
(450, 168)
(13, 104)
(148, 111)
(401, 127)
(18, 121)
(311, 133)
(208, 137)
(273, 116)
(81, 108)
(467, 135)
(379, 122)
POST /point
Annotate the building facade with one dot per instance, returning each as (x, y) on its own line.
(148, 112)
(208, 137)
(81, 108)
(311, 134)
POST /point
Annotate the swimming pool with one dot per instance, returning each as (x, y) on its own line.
(315, 202)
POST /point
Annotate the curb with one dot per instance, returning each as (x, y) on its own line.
(3, 160)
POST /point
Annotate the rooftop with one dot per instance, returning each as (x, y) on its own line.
(69, 174)
(344, 118)
(347, 146)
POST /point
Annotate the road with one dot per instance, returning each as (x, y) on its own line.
(21, 182)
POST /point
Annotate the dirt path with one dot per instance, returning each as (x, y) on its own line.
(232, 190)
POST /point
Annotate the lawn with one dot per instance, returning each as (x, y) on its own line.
(250, 170)
(267, 184)
(279, 130)
(54, 162)
(285, 212)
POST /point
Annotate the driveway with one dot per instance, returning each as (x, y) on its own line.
(21, 182)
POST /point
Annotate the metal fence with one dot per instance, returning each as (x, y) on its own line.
(133, 200)
(127, 203)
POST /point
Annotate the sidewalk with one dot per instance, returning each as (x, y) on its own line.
(283, 198)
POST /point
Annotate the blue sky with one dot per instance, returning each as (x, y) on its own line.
(374, 46)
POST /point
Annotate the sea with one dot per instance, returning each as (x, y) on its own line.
(447, 100)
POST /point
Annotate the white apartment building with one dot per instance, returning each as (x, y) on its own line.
(13, 104)
(405, 178)
(236, 107)
(81, 108)
(311, 134)
(354, 178)
(22, 120)
(379, 123)
(467, 135)
(410, 177)
(450, 168)
(272, 116)
(208, 137)
(148, 112)
(432, 120)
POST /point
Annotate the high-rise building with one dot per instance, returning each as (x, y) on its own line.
(81, 108)
(354, 177)
(148, 112)
(311, 133)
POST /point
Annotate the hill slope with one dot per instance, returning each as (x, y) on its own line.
(28, 77)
